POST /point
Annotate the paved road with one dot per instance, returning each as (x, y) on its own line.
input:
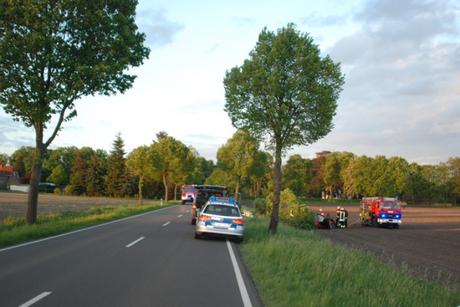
(149, 260)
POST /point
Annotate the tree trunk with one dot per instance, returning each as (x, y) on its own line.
(276, 189)
(175, 192)
(237, 189)
(165, 184)
(32, 197)
(140, 187)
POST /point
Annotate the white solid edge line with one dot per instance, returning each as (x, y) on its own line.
(35, 299)
(83, 229)
(239, 278)
(135, 241)
(166, 224)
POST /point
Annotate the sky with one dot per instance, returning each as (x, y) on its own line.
(401, 61)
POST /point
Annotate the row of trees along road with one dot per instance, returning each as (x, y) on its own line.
(161, 167)
(54, 52)
(241, 166)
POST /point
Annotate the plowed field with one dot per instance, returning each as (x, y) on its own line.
(427, 244)
(15, 204)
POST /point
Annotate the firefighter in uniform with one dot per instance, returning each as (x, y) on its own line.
(346, 216)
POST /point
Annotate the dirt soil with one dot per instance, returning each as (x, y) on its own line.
(15, 204)
(427, 244)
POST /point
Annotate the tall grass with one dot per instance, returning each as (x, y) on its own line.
(297, 268)
(15, 230)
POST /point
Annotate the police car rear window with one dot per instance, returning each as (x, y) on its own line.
(222, 210)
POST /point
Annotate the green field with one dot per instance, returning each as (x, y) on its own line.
(297, 268)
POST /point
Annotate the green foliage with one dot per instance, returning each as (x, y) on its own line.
(221, 177)
(237, 156)
(297, 175)
(298, 268)
(63, 51)
(291, 211)
(59, 176)
(4, 159)
(21, 160)
(140, 163)
(173, 162)
(12, 221)
(454, 167)
(285, 90)
(95, 177)
(78, 176)
(260, 206)
(69, 190)
(334, 169)
(117, 174)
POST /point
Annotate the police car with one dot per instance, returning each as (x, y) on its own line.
(220, 217)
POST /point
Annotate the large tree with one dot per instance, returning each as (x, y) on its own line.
(54, 52)
(285, 93)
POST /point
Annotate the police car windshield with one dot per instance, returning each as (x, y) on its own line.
(392, 205)
(222, 210)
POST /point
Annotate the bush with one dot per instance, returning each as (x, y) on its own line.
(58, 191)
(260, 206)
(12, 221)
(69, 190)
(291, 211)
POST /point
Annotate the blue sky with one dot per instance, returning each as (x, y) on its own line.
(401, 60)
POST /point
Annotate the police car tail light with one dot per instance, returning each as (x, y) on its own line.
(238, 221)
(204, 218)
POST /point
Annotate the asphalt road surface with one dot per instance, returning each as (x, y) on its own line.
(148, 260)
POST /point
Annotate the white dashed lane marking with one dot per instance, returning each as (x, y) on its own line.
(136, 241)
(35, 299)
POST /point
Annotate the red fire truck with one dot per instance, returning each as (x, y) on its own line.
(380, 211)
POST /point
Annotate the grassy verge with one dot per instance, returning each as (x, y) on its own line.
(15, 230)
(335, 202)
(297, 268)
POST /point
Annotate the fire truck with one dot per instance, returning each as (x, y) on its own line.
(380, 211)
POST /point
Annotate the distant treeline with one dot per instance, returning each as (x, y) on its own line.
(161, 168)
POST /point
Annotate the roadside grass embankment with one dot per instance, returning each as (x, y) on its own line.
(298, 268)
(15, 230)
(326, 202)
